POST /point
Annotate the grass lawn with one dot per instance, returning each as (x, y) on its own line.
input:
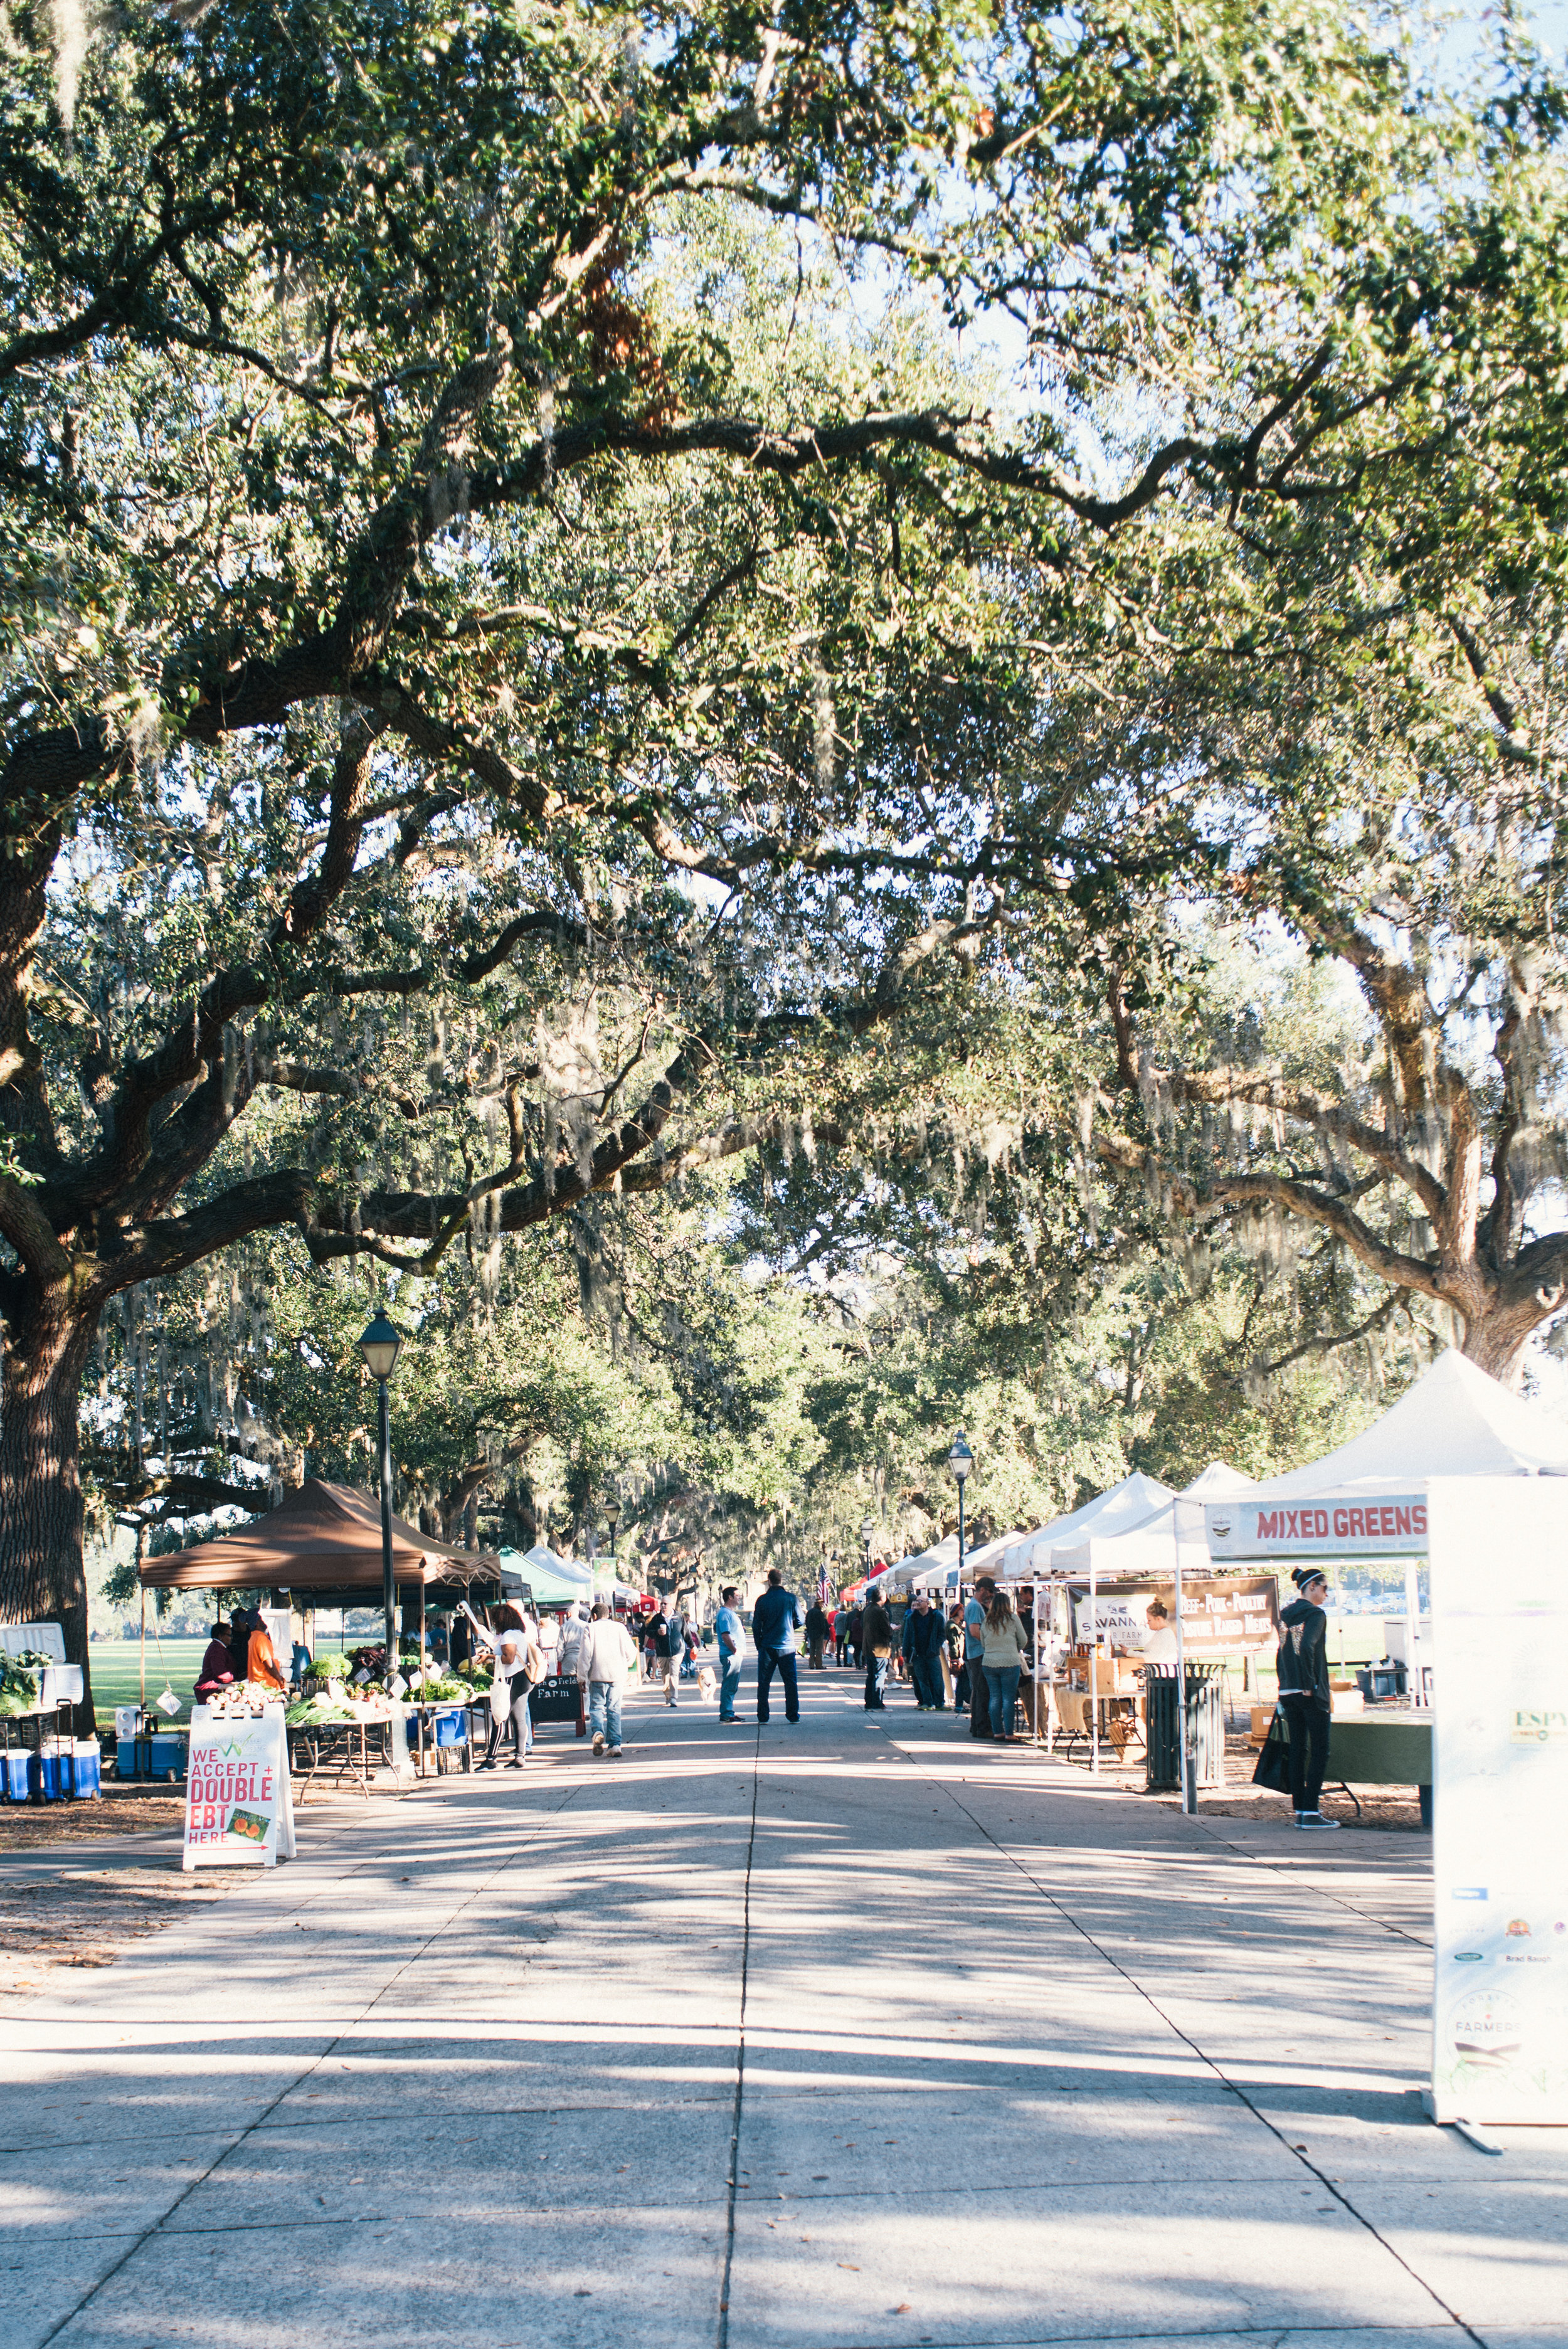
(117, 1673)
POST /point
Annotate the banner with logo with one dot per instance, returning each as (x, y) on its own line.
(239, 1807)
(1221, 1615)
(1394, 1524)
(1500, 1756)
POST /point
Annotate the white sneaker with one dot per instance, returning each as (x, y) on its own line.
(615, 1753)
(599, 1744)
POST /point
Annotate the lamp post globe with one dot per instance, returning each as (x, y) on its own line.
(381, 1345)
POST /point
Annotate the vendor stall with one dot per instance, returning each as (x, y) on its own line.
(543, 1578)
(322, 1547)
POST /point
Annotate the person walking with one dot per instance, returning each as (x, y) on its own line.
(925, 1637)
(974, 1655)
(775, 1620)
(519, 1665)
(667, 1649)
(816, 1631)
(1003, 1642)
(727, 1631)
(854, 1623)
(956, 1663)
(605, 1658)
(1303, 1693)
(839, 1618)
(876, 1636)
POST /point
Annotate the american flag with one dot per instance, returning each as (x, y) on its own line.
(822, 1584)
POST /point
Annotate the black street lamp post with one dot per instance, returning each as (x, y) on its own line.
(961, 1460)
(381, 1346)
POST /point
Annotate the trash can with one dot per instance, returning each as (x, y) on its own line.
(1205, 1695)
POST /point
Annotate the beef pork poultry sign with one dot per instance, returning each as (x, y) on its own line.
(1386, 1525)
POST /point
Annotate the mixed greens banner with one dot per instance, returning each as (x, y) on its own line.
(1389, 1525)
(239, 1808)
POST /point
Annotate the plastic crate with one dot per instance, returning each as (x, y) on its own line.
(153, 1757)
(450, 1725)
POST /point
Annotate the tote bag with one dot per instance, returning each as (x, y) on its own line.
(1273, 1769)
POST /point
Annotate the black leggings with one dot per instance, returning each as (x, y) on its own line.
(1308, 1750)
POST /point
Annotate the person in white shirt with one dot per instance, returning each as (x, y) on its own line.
(605, 1656)
(572, 1626)
(1160, 1646)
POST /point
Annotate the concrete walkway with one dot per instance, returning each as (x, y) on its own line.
(847, 2034)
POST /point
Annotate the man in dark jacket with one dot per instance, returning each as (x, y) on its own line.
(775, 1620)
(854, 1625)
(925, 1637)
(1303, 1693)
(816, 1631)
(876, 1632)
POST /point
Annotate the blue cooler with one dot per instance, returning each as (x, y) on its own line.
(451, 1725)
(46, 1771)
(14, 1775)
(89, 1769)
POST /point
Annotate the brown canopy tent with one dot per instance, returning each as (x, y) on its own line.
(323, 1543)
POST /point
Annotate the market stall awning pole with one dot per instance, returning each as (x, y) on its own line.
(144, 1649)
(1189, 1760)
(1093, 1667)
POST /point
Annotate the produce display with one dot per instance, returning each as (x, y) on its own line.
(310, 1711)
(19, 1680)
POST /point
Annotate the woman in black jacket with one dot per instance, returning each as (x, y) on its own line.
(1303, 1666)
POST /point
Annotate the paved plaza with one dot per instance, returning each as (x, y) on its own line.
(853, 2033)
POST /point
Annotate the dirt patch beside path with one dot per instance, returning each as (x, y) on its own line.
(88, 1917)
(131, 1809)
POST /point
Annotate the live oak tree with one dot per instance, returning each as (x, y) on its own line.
(385, 500)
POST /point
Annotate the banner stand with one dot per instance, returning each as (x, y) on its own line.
(239, 1800)
(1499, 1791)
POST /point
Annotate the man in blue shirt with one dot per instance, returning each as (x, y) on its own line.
(726, 1632)
(775, 1620)
(974, 1649)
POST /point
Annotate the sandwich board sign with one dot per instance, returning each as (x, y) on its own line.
(239, 1805)
(1500, 1780)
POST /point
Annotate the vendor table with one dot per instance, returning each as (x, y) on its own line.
(340, 1750)
(1380, 1749)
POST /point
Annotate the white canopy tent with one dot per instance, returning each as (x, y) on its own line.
(1125, 1504)
(1454, 1421)
(928, 1568)
(1150, 1547)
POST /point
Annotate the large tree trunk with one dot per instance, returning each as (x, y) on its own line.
(1495, 1341)
(42, 1578)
